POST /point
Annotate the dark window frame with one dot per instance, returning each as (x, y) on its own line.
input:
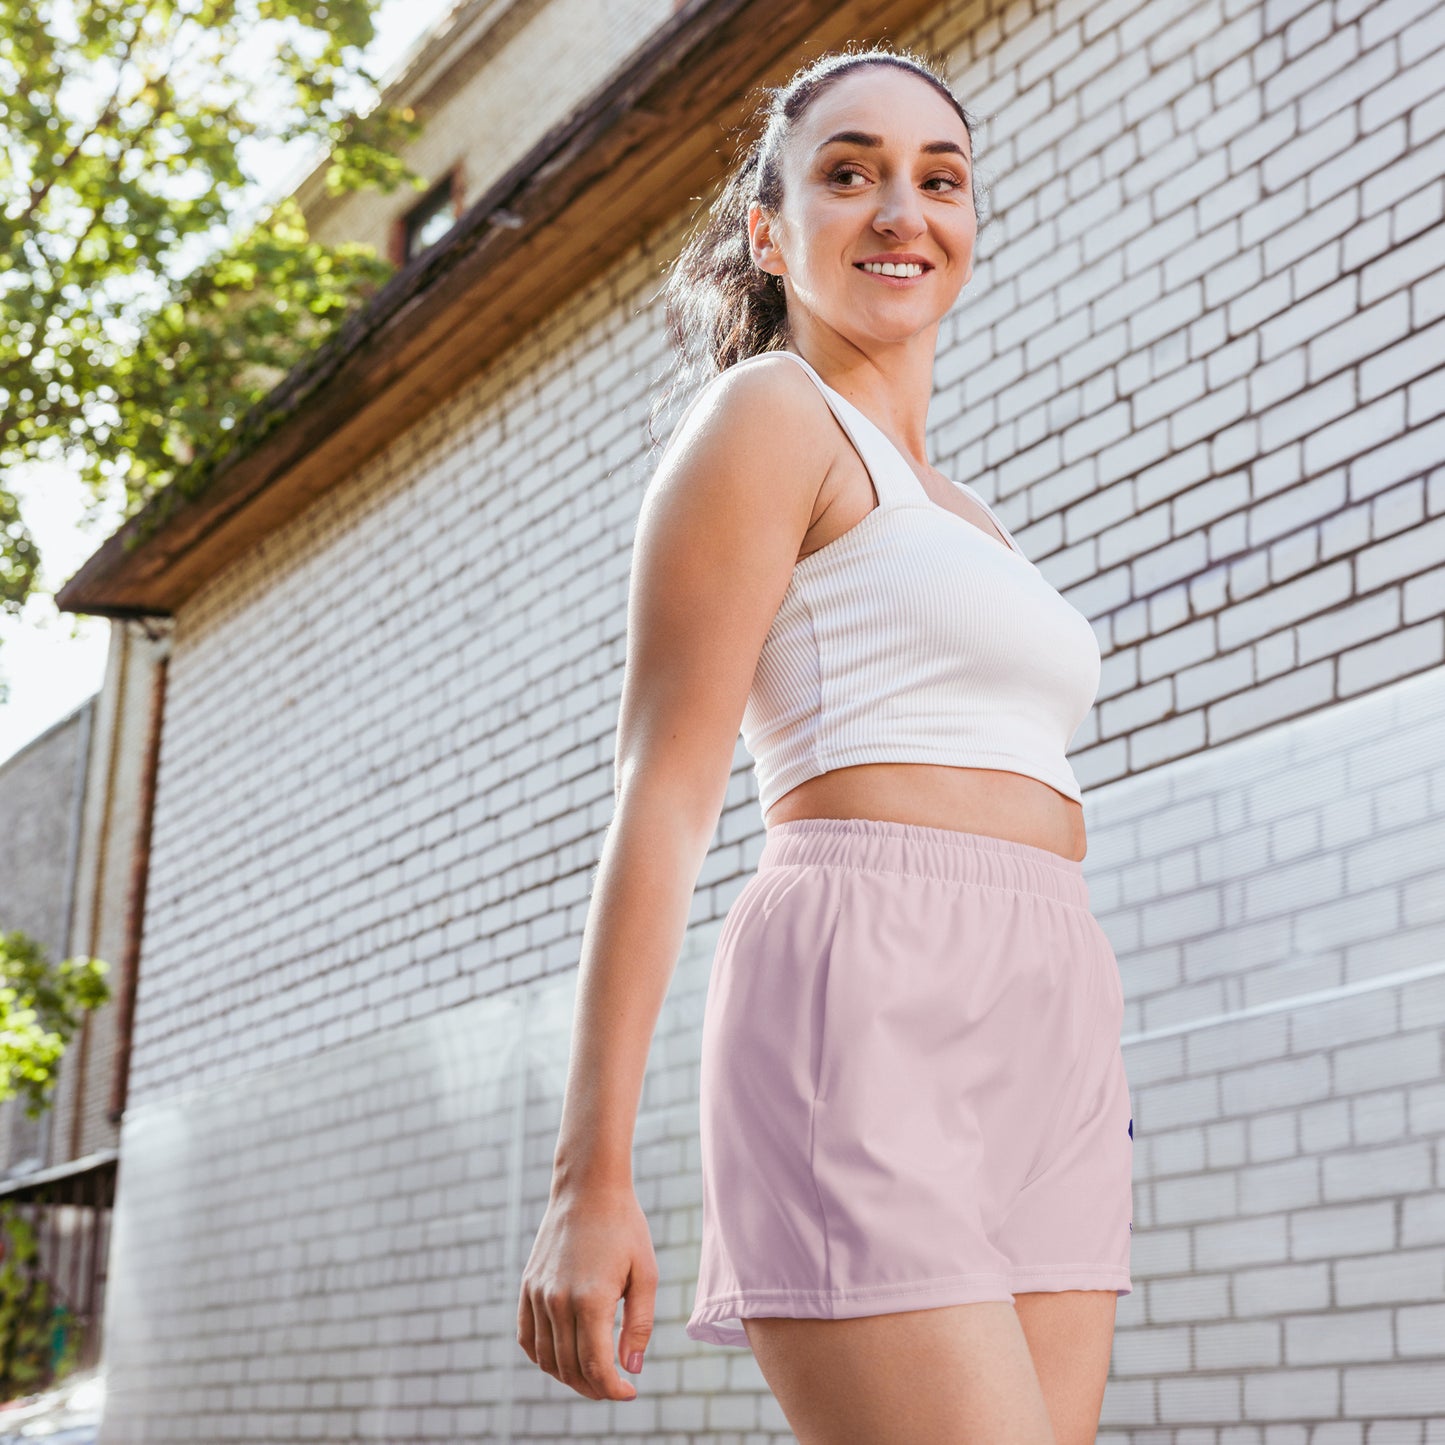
(446, 194)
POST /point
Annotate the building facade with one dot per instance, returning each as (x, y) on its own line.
(1197, 371)
(75, 811)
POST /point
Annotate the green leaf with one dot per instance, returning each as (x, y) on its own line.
(144, 318)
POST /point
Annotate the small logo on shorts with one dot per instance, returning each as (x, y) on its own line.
(1131, 1127)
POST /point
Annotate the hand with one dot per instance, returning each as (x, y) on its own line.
(592, 1249)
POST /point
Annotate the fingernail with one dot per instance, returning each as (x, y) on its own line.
(634, 1362)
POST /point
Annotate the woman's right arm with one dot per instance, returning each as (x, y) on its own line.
(719, 531)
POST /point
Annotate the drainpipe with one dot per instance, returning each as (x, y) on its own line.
(136, 891)
(72, 864)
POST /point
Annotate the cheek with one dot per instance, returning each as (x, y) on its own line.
(824, 225)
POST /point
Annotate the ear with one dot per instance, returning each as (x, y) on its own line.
(766, 254)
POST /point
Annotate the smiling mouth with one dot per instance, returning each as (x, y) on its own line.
(904, 271)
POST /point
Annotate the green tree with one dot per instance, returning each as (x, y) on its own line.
(32, 1313)
(143, 308)
(40, 1008)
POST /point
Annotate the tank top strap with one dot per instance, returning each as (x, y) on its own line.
(896, 482)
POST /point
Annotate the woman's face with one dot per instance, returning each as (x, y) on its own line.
(898, 183)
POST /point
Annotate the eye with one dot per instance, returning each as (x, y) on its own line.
(953, 181)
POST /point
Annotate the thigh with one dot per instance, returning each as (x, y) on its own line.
(1070, 1335)
(957, 1375)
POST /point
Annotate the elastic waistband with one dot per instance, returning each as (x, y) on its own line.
(875, 846)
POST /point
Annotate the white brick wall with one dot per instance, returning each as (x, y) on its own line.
(1199, 368)
(388, 750)
(1195, 372)
(1276, 909)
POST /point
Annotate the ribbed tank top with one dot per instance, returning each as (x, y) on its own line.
(915, 637)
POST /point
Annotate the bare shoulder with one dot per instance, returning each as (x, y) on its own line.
(736, 488)
(765, 415)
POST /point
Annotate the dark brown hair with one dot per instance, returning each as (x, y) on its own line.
(719, 307)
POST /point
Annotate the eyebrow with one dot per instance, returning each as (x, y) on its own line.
(875, 142)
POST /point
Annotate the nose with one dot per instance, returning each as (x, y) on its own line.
(900, 211)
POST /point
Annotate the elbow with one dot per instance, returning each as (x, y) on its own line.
(684, 798)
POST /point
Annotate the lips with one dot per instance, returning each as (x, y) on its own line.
(903, 260)
(897, 280)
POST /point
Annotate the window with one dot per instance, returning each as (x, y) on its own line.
(429, 220)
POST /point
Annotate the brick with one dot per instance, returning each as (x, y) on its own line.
(1343, 1020)
(1379, 22)
(1287, 1184)
(1343, 1230)
(1292, 602)
(1238, 1345)
(1390, 1278)
(1294, 1394)
(1410, 1058)
(1203, 1398)
(1282, 1289)
(1390, 183)
(1394, 1389)
(1174, 738)
(1141, 706)
(1373, 1173)
(1395, 366)
(1273, 1135)
(1420, 1330)
(1153, 1351)
(1377, 423)
(1410, 262)
(1282, 698)
(1199, 1297)
(1193, 1198)
(1422, 1220)
(1219, 677)
(1339, 1338)
(1237, 1242)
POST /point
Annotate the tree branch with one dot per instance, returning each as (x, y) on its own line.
(39, 193)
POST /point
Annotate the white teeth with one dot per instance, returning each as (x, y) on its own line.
(890, 268)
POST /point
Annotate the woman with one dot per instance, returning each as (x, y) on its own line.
(916, 1128)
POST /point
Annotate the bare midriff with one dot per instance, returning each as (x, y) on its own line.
(970, 800)
(994, 801)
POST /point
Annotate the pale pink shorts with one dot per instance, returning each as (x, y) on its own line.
(912, 1087)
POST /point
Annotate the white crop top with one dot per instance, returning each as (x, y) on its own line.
(916, 637)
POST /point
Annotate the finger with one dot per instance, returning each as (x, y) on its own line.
(526, 1325)
(639, 1309)
(564, 1334)
(546, 1337)
(594, 1350)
